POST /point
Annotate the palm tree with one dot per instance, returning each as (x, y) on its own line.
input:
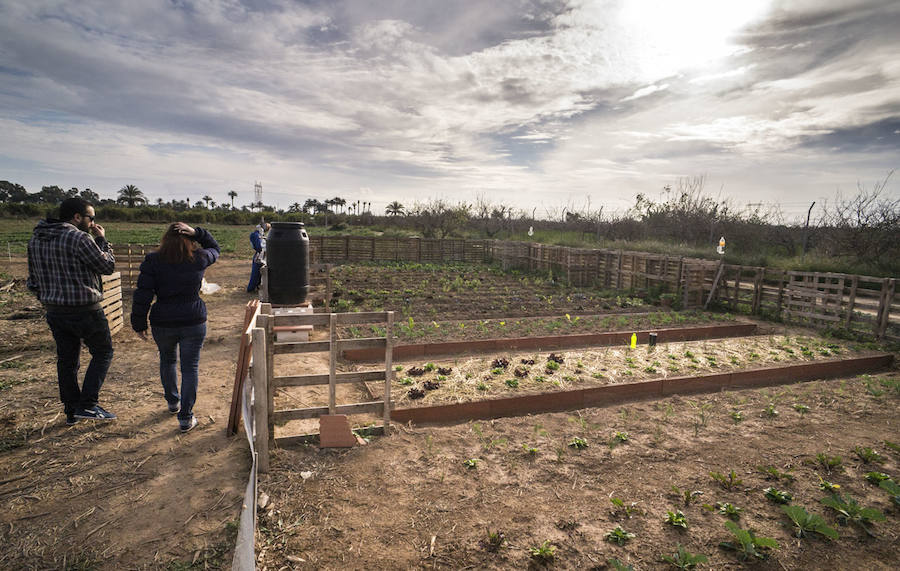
(295, 207)
(338, 201)
(233, 195)
(206, 199)
(131, 195)
(394, 209)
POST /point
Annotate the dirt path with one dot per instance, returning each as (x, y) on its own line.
(134, 493)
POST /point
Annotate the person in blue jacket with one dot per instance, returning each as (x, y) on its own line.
(173, 274)
(258, 241)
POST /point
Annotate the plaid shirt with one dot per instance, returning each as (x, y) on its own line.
(65, 264)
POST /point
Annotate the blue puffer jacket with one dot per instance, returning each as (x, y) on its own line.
(176, 287)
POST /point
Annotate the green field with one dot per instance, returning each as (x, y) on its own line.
(14, 235)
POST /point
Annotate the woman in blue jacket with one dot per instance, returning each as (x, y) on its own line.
(173, 274)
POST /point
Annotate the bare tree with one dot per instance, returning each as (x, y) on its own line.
(865, 226)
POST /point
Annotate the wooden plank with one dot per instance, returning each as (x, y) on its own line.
(367, 343)
(332, 363)
(242, 369)
(323, 379)
(302, 347)
(316, 411)
(260, 400)
(812, 315)
(298, 319)
(388, 368)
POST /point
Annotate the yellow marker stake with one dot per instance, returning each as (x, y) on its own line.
(633, 340)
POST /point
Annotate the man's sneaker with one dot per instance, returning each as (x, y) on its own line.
(175, 408)
(188, 426)
(70, 419)
(94, 413)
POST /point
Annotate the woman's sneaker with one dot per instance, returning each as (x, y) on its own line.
(94, 413)
(175, 408)
(189, 425)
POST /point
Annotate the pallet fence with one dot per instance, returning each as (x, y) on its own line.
(818, 299)
(112, 301)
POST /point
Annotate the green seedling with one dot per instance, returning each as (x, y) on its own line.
(850, 511)
(481, 386)
(494, 541)
(828, 462)
(471, 463)
(747, 544)
(512, 383)
(730, 511)
(676, 519)
(497, 371)
(737, 416)
(398, 368)
(892, 488)
(543, 553)
(770, 411)
(552, 366)
(801, 408)
(827, 486)
(629, 509)
(806, 523)
(530, 450)
(868, 455)
(618, 535)
(773, 473)
(618, 565)
(406, 381)
(618, 438)
(728, 482)
(877, 477)
(778, 496)
(684, 559)
(429, 367)
(687, 496)
(892, 445)
(578, 443)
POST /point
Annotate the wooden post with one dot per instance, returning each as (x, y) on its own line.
(259, 374)
(266, 321)
(388, 367)
(619, 271)
(332, 364)
(757, 290)
(737, 288)
(715, 283)
(678, 286)
(884, 309)
(851, 303)
(781, 281)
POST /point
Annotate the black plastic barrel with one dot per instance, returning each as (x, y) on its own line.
(287, 259)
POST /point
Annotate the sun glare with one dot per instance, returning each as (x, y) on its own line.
(668, 36)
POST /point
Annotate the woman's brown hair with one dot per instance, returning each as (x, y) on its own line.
(175, 247)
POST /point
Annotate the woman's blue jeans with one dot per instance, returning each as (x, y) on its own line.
(188, 340)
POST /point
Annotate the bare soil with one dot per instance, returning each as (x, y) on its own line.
(137, 494)
(129, 494)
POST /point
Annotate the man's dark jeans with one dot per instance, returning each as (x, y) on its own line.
(69, 330)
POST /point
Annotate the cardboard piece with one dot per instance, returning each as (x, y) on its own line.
(334, 432)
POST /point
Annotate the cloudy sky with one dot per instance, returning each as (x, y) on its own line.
(536, 104)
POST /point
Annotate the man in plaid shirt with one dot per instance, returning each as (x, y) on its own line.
(64, 268)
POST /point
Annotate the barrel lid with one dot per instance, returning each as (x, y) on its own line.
(287, 225)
